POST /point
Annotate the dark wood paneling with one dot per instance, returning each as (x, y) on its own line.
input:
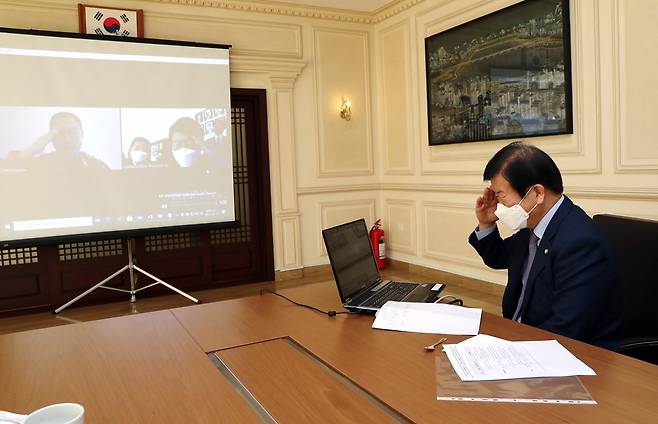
(254, 238)
(77, 280)
(232, 261)
(19, 286)
(24, 286)
(175, 267)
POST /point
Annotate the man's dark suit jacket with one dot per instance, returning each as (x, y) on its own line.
(573, 287)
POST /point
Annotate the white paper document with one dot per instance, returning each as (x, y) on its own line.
(485, 357)
(436, 318)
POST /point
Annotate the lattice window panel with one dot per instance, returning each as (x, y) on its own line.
(90, 249)
(240, 183)
(160, 242)
(19, 256)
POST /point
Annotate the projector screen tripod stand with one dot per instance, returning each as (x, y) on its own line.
(132, 268)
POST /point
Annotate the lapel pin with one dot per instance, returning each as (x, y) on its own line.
(545, 251)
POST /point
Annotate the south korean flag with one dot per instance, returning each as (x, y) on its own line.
(116, 22)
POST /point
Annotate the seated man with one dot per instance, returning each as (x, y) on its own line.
(561, 272)
(66, 137)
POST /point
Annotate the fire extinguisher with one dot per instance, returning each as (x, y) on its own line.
(378, 245)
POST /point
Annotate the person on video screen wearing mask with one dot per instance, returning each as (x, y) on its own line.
(562, 275)
(139, 154)
(186, 142)
(65, 135)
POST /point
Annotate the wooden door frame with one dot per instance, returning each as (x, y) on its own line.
(259, 97)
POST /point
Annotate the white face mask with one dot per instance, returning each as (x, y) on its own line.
(515, 217)
(138, 156)
(186, 157)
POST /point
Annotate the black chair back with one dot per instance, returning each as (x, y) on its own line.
(635, 244)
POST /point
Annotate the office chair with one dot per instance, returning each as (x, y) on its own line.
(635, 244)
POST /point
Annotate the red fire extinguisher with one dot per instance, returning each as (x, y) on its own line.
(378, 245)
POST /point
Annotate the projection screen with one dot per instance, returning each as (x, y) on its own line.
(102, 136)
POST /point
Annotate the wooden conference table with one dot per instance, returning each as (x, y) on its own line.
(277, 362)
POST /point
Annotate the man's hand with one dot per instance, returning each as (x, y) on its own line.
(37, 147)
(485, 206)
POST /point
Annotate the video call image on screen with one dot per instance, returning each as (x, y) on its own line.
(108, 168)
(99, 135)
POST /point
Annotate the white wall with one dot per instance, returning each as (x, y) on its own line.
(325, 170)
(609, 164)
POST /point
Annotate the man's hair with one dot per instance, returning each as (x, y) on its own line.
(524, 165)
(64, 115)
(186, 126)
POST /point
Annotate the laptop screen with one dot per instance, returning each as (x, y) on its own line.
(351, 257)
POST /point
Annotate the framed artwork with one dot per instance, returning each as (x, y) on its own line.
(504, 75)
(101, 20)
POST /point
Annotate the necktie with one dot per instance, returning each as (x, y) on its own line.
(532, 249)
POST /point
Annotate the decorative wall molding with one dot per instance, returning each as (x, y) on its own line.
(455, 208)
(302, 11)
(455, 259)
(231, 31)
(397, 110)
(617, 70)
(447, 205)
(338, 189)
(613, 193)
(291, 249)
(623, 163)
(329, 87)
(282, 100)
(282, 9)
(390, 223)
(391, 10)
(281, 75)
(608, 193)
(276, 68)
(432, 188)
(40, 4)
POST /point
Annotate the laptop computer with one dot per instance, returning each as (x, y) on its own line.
(360, 285)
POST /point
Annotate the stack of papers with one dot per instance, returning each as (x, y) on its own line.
(436, 318)
(486, 357)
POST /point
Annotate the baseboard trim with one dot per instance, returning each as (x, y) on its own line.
(317, 271)
(448, 278)
(456, 280)
(293, 274)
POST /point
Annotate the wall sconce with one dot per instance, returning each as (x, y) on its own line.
(346, 109)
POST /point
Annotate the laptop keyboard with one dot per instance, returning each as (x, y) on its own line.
(393, 291)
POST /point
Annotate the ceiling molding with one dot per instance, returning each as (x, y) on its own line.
(27, 4)
(276, 67)
(302, 11)
(393, 9)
